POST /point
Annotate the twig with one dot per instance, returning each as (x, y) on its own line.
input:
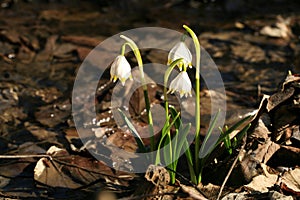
(25, 156)
(232, 166)
(85, 169)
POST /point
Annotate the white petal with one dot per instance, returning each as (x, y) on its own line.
(113, 67)
(181, 84)
(121, 69)
(180, 50)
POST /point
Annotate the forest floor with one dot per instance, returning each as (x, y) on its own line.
(42, 46)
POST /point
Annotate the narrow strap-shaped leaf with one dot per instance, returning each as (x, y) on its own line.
(209, 132)
(174, 113)
(168, 154)
(241, 134)
(189, 159)
(136, 135)
(175, 144)
(232, 128)
(182, 134)
(227, 141)
(164, 134)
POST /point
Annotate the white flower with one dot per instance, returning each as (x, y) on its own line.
(181, 84)
(120, 69)
(180, 50)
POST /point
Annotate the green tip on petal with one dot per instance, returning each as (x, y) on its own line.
(181, 93)
(180, 66)
(123, 81)
(170, 91)
(169, 62)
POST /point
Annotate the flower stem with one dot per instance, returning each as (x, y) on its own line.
(173, 165)
(197, 77)
(138, 56)
(166, 78)
(122, 51)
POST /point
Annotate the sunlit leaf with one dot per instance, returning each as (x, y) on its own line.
(136, 135)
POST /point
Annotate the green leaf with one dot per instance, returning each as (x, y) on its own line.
(232, 128)
(168, 153)
(174, 113)
(189, 158)
(227, 141)
(241, 134)
(182, 134)
(163, 135)
(136, 135)
(209, 132)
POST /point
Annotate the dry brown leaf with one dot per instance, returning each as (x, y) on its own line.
(47, 53)
(279, 97)
(210, 191)
(281, 29)
(290, 79)
(263, 182)
(41, 133)
(11, 35)
(123, 140)
(82, 40)
(245, 196)
(52, 14)
(30, 41)
(68, 171)
(192, 192)
(25, 55)
(291, 182)
(292, 149)
(106, 195)
(64, 50)
(52, 115)
(265, 151)
(278, 196)
(83, 52)
(261, 131)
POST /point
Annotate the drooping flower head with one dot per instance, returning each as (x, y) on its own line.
(181, 84)
(180, 50)
(120, 69)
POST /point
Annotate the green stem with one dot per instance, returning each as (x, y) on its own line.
(197, 77)
(122, 51)
(183, 37)
(138, 56)
(166, 78)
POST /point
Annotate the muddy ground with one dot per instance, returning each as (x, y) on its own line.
(43, 43)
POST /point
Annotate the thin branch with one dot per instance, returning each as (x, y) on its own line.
(25, 156)
(232, 166)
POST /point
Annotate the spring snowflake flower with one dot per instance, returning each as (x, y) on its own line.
(180, 50)
(181, 84)
(120, 69)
